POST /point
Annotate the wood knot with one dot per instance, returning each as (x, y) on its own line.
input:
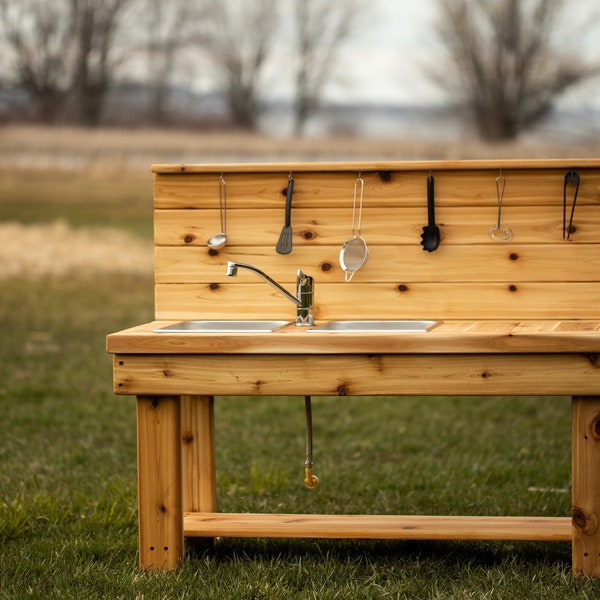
(513, 256)
(189, 238)
(596, 427)
(486, 375)
(586, 523)
(187, 438)
(308, 235)
(593, 358)
(403, 288)
(512, 287)
(326, 267)
(342, 390)
(214, 286)
(213, 252)
(385, 176)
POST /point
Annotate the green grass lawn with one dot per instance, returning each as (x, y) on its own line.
(68, 478)
(68, 483)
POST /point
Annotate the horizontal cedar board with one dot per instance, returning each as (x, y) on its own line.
(356, 375)
(484, 263)
(390, 527)
(401, 300)
(335, 189)
(390, 225)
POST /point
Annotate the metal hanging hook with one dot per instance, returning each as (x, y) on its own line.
(223, 203)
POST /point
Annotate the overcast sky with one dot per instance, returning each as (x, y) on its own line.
(392, 44)
(385, 59)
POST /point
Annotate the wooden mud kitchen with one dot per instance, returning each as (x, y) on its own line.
(429, 278)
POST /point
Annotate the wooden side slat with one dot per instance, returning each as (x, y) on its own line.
(484, 263)
(394, 225)
(384, 301)
(552, 529)
(356, 375)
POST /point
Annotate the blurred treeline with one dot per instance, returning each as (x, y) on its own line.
(90, 62)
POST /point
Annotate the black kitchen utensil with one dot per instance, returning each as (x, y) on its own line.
(431, 233)
(284, 244)
(571, 178)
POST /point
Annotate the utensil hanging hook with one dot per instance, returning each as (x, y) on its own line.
(571, 178)
(223, 203)
(496, 231)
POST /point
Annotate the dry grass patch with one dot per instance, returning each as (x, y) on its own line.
(96, 150)
(58, 249)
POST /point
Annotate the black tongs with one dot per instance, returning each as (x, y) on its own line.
(571, 178)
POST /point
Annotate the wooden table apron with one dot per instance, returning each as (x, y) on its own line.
(175, 427)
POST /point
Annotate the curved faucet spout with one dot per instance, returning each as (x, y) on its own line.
(232, 268)
(304, 290)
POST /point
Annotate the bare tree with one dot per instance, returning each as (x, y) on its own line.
(238, 37)
(320, 26)
(505, 69)
(63, 52)
(169, 30)
(39, 36)
(96, 26)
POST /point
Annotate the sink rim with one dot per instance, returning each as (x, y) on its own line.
(376, 326)
(224, 326)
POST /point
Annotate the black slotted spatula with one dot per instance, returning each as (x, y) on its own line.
(284, 244)
(431, 232)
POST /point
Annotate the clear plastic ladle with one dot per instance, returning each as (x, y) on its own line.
(354, 253)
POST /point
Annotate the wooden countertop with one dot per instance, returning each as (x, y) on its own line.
(448, 337)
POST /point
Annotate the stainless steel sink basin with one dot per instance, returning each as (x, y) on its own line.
(375, 326)
(233, 326)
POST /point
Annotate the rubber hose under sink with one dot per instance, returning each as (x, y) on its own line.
(311, 481)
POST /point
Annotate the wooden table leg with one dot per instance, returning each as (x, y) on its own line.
(586, 484)
(198, 458)
(160, 511)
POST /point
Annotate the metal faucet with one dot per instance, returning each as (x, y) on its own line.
(304, 291)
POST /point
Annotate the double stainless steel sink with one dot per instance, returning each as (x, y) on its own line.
(269, 326)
